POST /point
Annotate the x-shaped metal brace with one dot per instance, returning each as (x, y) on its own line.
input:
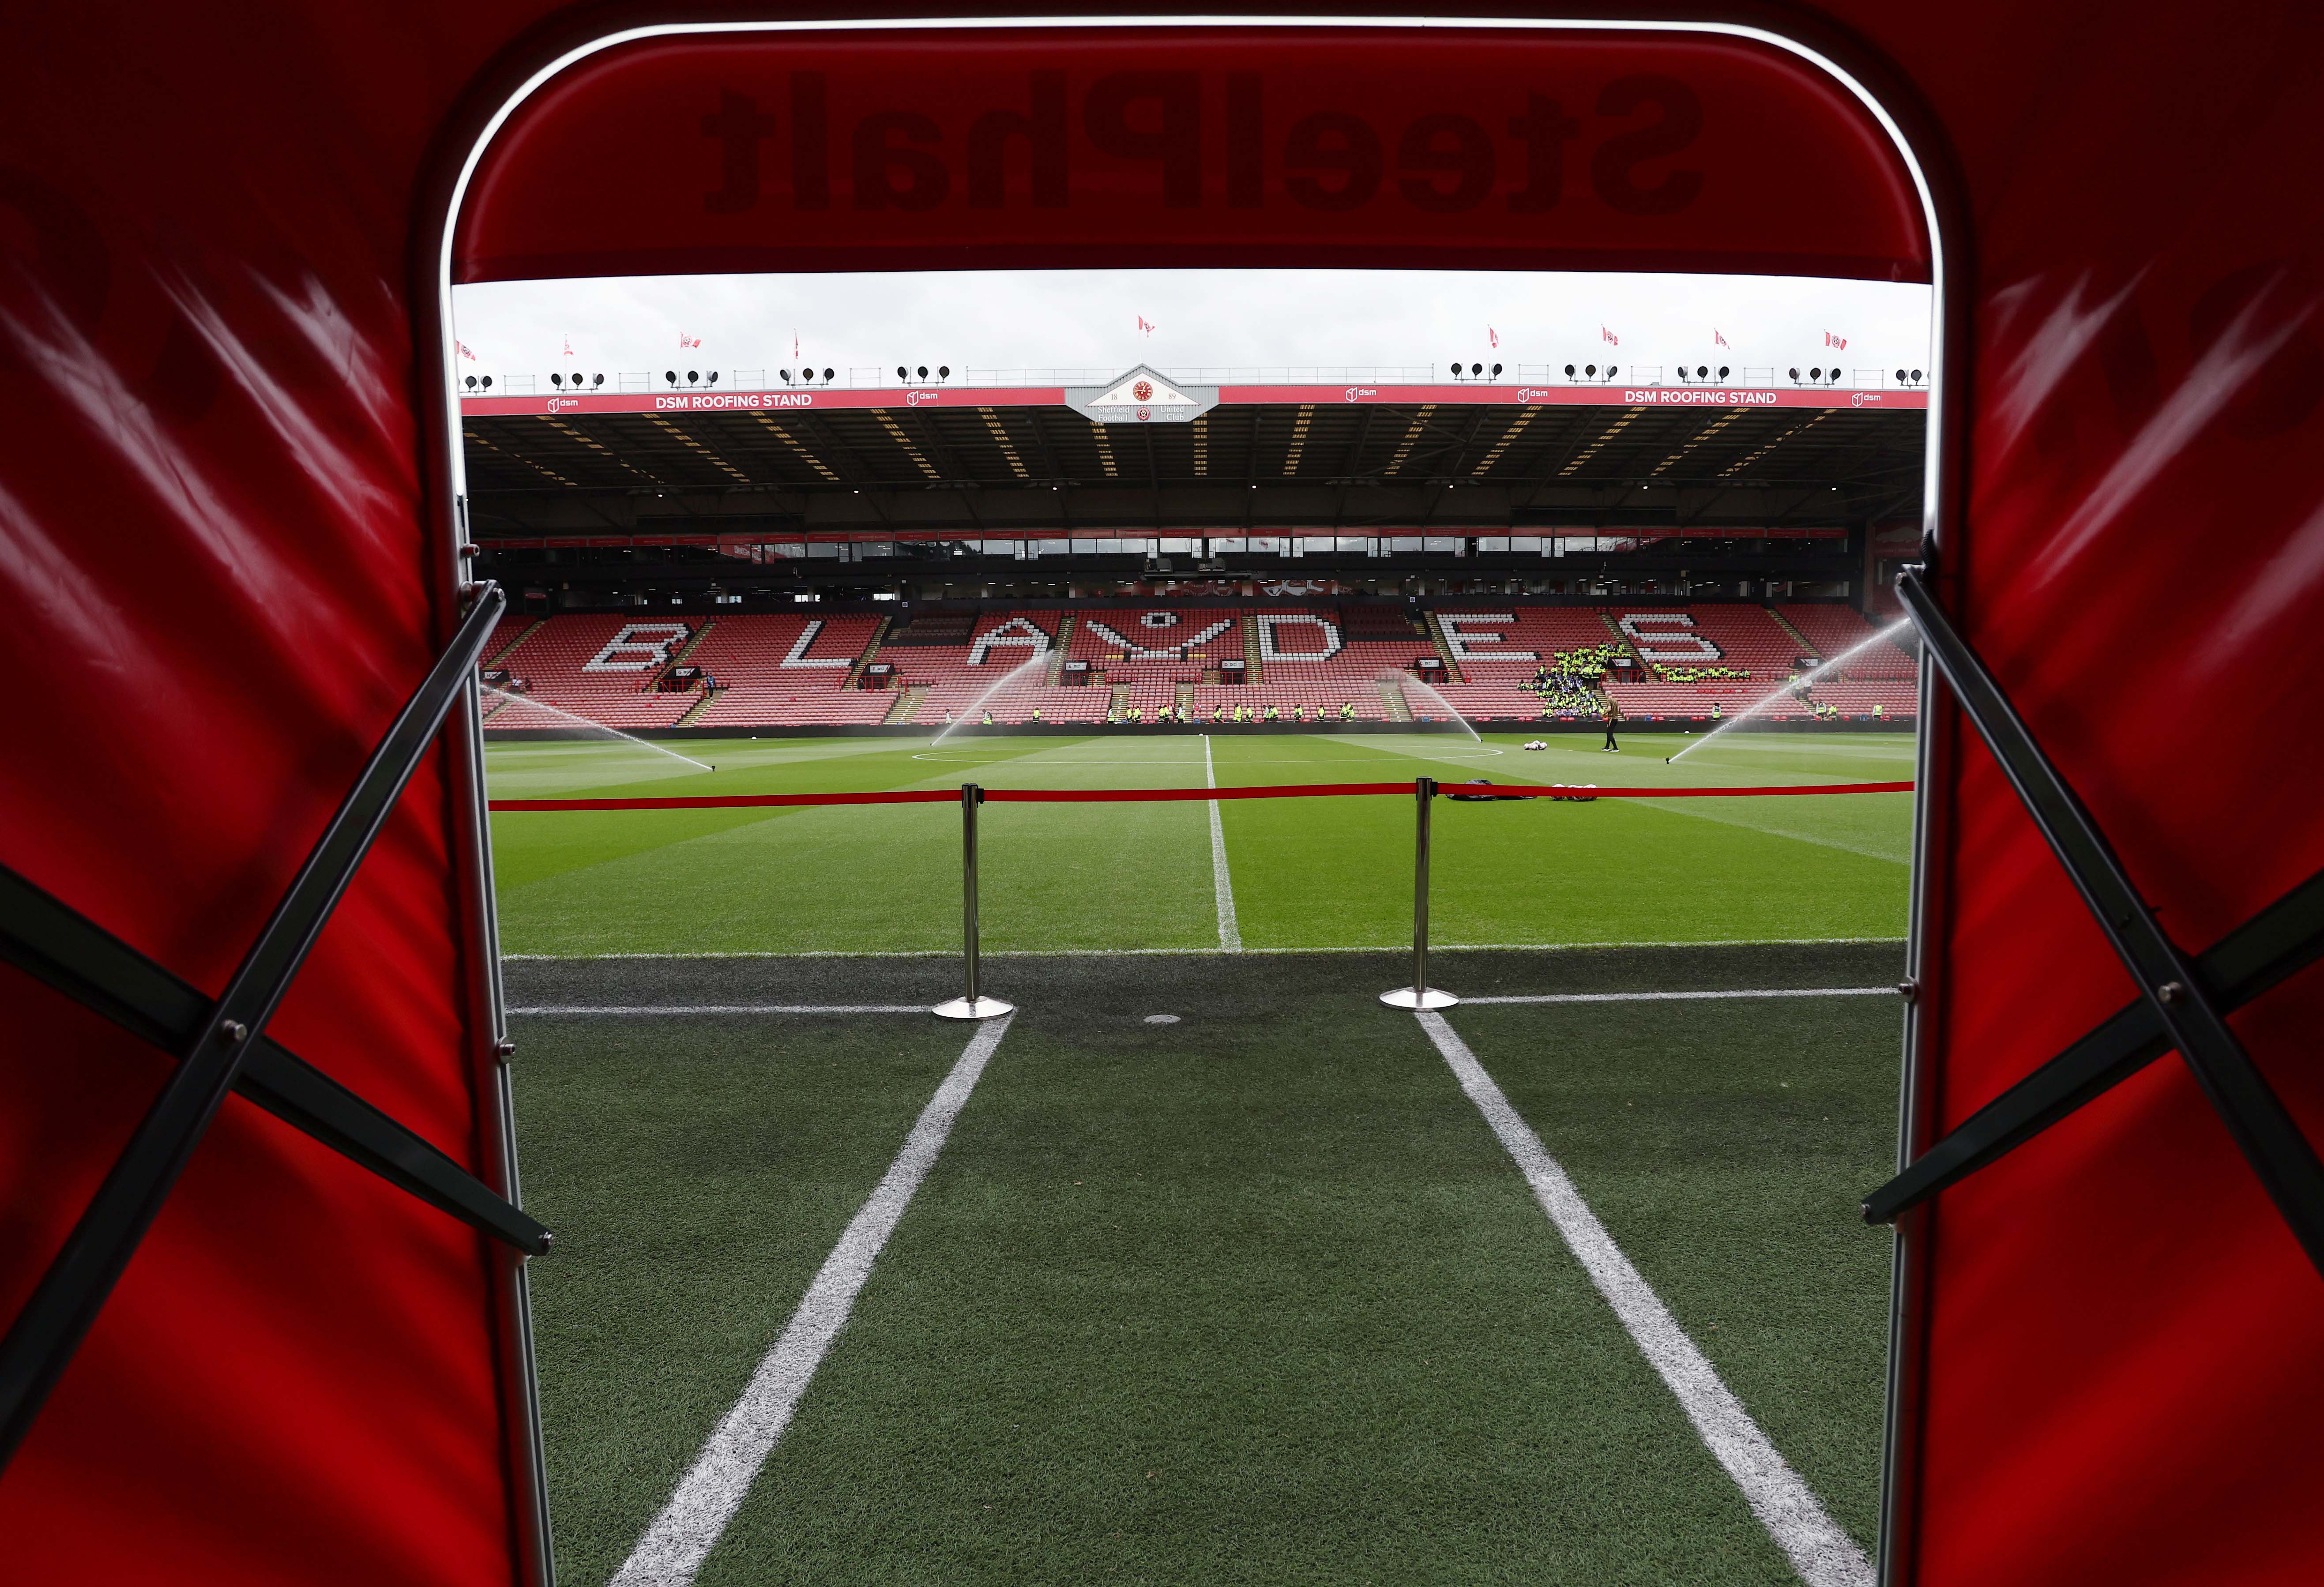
(2183, 1002)
(221, 1046)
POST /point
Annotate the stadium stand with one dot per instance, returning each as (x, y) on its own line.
(1517, 662)
(1501, 649)
(1156, 649)
(505, 632)
(1831, 628)
(1713, 660)
(1889, 698)
(1879, 684)
(600, 666)
(786, 668)
(995, 645)
(1307, 656)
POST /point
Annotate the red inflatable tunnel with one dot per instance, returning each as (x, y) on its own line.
(261, 1260)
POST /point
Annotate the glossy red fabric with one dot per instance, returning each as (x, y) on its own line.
(2124, 1360)
(223, 567)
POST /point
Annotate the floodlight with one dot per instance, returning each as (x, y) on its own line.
(557, 380)
(944, 371)
(786, 374)
(827, 377)
(693, 377)
(1795, 375)
(488, 382)
(1476, 369)
(902, 373)
(1916, 376)
(1569, 372)
(1496, 369)
(1833, 375)
(1901, 377)
(472, 383)
(714, 377)
(1611, 372)
(596, 379)
(1816, 373)
(1702, 370)
(1591, 370)
(924, 372)
(1722, 371)
(670, 375)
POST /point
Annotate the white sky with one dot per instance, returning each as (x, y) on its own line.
(1018, 319)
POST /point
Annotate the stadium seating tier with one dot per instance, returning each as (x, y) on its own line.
(781, 669)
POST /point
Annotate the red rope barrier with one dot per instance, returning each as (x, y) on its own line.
(734, 801)
(1297, 790)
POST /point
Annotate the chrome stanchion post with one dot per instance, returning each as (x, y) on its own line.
(974, 1006)
(1420, 994)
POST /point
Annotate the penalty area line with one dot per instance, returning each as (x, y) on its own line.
(689, 1526)
(1820, 1551)
(629, 1010)
(1686, 997)
(1221, 880)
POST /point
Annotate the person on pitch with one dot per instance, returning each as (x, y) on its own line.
(1609, 743)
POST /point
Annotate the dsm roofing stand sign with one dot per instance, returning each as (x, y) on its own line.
(1141, 397)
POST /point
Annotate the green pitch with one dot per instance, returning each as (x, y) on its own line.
(1254, 1298)
(1303, 874)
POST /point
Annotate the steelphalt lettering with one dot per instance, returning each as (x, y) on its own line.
(1443, 162)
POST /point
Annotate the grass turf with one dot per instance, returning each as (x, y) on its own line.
(1254, 1298)
(1306, 873)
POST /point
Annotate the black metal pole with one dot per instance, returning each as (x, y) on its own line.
(970, 795)
(1423, 795)
(973, 1004)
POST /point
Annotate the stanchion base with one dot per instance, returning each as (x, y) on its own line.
(1404, 997)
(982, 1008)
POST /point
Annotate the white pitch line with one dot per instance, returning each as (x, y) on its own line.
(689, 1526)
(675, 1008)
(1683, 997)
(1823, 1555)
(1221, 881)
